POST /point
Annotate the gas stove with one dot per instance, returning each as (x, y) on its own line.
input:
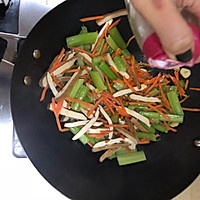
(17, 18)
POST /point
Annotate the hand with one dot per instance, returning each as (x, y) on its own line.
(175, 35)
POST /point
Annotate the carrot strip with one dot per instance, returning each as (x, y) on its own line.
(129, 85)
(56, 66)
(97, 135)
(195, 89)
(114, 70)
(176, 74)
(144, 141)
(105, 45)
(43, 93)
(128, 149)
(86, 19)
(115, 23)
(68, 104)
(94, 107)
(90, 144)
(158, 111)
(60, 55)
(175, 81)
(181, 101)
(168, 127)
(79, 101)
(129, 41)
(108, 105)
(153, 85)
(86, 69)
(191, 109)
(108, 83)
(186, 84)
(60, 85)
(118, 81)
(82, 50)
(99, 40)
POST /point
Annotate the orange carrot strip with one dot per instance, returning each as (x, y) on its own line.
(153, 85)
(97, 135)
(129, 85)
(90, 144)
(68, 104)
(115, 23)
(43, 93)
(82, 50)
(175, 81)
(158, 111)
(102, 120)
(56, 109)
(181, 101)
(128, 149)
(186, 84)
(94, 107)
(86, 69)
(60, 85)
(105, 45)
(99, 40)
(86, 19)
(168, 127)
(129, 41)
(118, 81)
(191, 109)
(72, 70)
(195, 89)
(108, 83)
(176, 74)
(114, 70)
(79, 101)
(144, 141)
(56, 66)
(60, 55)
(108, 105)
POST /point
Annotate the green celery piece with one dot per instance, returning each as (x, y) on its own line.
(153, 92)
(129, 158)
(160, 127)
(150, 114)
(149, 136)
(111, 43)
(81, 39)
(109, 50)
(174, 88)
(82, 93)
(173, 118)
(99, 48)
(151, 129)
(116, 36)
(73, 92)
(122, 151)
(165, 87)
(83, 29)
(175, 103)
(118, 86)
(115, 118)
(121, 66)
(97, 80)
(83, 138)
(139, 107)
(107, 71)
(96, 60)
(126, 53)
(80, 62)
(156, 121)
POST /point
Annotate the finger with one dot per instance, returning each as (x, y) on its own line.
(175, 35)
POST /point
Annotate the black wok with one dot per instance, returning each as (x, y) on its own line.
(173, 163)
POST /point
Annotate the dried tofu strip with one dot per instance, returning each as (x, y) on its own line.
(101, 32)
(112, 146)
(144, 98)
(128, 91)
(112, 141)
(75, 124)
(51, 84)
(87, 126)
(69, 113)
(64, 67)
(108, 119)
(130, 136)
(85, 113)
(63, 93)
(108, 153)
(138, 125)
(138, 116)
(112, 15)
(110, 61)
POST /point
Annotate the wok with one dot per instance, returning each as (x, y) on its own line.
(172, 163)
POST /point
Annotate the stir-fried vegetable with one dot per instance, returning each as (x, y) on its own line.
(109, 100)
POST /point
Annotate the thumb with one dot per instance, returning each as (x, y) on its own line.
(175, 35)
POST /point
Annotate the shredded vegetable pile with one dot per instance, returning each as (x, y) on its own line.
(106, 98)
